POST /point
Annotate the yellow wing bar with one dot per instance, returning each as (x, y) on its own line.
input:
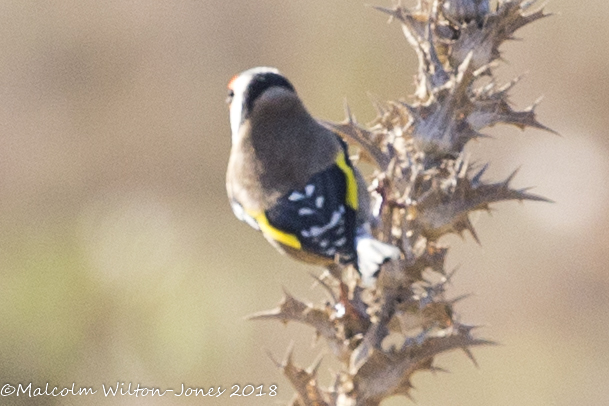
(276, 234)
(351, 197)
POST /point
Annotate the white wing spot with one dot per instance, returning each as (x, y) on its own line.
(330, 251)
(305, 211)
(295, 196)
(309, 189)
(319, 202)
(323, 243)
(341, 242)
(305, 233)
(317, 231)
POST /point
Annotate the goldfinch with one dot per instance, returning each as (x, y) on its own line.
(290, 178)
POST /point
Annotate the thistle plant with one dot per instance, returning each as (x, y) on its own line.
(423, 188)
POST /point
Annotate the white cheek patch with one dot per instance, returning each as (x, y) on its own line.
(239, 86)
(236, 105)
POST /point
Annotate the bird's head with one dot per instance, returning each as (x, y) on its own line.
(258, 92)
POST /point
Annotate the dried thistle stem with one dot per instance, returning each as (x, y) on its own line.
(424, 188)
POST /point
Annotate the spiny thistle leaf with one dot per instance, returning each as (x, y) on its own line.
(304, 381)
(291, 309)
(440, 212)
(397, 367)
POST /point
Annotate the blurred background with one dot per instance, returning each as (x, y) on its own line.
(120, 260)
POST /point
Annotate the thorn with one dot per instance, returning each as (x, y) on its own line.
(460, 298)
(485, 69)
(547, 14)
(506, 183)
(466, 165)
(470, 227)
(528, 196)
(548, 129)
(411, 109)
(288, 359)
(270, 355)
(469, 355)
(350, 118)
(452, 273)
(409, 396)
(312, 370)
(439, 72)
(378, 105)
(434, 369)
(467, 328)
(324, 285)
(392, 12)
(477, 176)
(509, 85)
(535, 104)
(478, 135)
(275, 313)
(404, 389)
(464, 66)
(535, 123)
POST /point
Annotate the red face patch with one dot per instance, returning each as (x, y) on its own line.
(232, 81)
(231, 92)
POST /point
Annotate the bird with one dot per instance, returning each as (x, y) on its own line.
(291, 178)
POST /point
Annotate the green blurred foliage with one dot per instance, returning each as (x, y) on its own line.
(121, 261)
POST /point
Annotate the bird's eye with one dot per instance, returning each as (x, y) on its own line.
(231, 94)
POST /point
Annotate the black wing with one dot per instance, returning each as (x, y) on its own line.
(319, 216)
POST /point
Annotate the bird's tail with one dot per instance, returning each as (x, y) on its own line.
(371, 254)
